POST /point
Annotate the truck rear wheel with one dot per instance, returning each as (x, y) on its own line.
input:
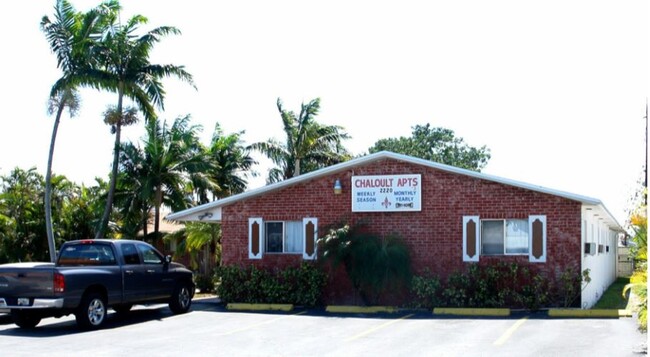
(181, 299)
(92, 312)
(25, 319)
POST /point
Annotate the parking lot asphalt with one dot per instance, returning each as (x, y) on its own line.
(211, 330)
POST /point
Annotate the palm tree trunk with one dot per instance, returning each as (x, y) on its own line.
(113, 184)
(296, 171)
(116, 157)
(156, 216)
(48, 185)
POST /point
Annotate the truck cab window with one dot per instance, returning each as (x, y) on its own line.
(150, 256)
(130, 254)
(86, 255)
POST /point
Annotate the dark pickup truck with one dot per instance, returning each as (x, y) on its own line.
(89, 277)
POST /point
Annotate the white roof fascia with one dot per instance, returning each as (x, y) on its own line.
(272, 187)
(185, 214)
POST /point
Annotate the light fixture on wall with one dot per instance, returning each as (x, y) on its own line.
(204, 216)
(337, 187)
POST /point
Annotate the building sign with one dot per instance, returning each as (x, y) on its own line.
(386, 193)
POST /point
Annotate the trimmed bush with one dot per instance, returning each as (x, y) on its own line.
(494, 285)
(300, 285)
(426, 291)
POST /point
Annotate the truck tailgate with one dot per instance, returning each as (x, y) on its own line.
(26, 280)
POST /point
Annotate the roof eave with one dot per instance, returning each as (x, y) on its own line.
(189, 213)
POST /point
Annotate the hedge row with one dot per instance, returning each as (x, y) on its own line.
(481, 285)
(300, 285)
(499, 285)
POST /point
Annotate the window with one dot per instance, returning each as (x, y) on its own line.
(283, 237)
(87, 254)
(149, 255)
(289, 237)
(500, 237)
(130, 254)
(504, 237)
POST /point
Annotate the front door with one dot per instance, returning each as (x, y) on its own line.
(134, 274)
(158, 280)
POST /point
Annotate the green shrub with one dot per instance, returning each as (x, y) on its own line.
(205, 283)
(570, 286)
(304, 284)
(484, 285)
(535, 295)
(426, 291)
(456, 290)
(300, 285)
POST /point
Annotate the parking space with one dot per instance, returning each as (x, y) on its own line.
(211, 330)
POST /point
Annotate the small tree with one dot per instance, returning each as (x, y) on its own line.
(436, 144)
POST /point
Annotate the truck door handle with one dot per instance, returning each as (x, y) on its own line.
(130, 272)
(151, 271)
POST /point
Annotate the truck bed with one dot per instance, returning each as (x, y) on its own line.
(20, 281)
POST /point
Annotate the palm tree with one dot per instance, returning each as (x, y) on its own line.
(67, 99)
(126, 70)
(309, 145)
(234, 162)
(161, 169)
(70, 37)
(201, 241)
(196, 239)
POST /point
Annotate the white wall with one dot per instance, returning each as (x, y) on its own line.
(602, 264)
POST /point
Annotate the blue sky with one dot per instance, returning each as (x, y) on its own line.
(556, 89)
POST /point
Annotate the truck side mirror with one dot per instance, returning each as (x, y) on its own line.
(168, 259)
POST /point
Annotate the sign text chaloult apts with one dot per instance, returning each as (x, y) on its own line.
(386, 193)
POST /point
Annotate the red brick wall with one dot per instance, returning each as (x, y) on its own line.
(434, 234)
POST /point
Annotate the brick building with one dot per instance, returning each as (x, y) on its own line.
(449, 218)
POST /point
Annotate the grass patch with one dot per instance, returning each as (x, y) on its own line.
(612, 298)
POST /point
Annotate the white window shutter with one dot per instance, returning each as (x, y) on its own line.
(255, 235)
(310, 232)
(471, 238)
(537, 239)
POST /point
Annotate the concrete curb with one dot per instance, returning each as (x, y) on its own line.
(259, 307)
(589, 313)
(349, 309)
(471, 311)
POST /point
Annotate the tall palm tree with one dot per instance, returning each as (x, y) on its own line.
(162, 168)
(70, 38)
(309, 145)
(234, 162)
(126, 70)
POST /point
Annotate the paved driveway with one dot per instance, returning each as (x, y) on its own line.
(209, 330)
